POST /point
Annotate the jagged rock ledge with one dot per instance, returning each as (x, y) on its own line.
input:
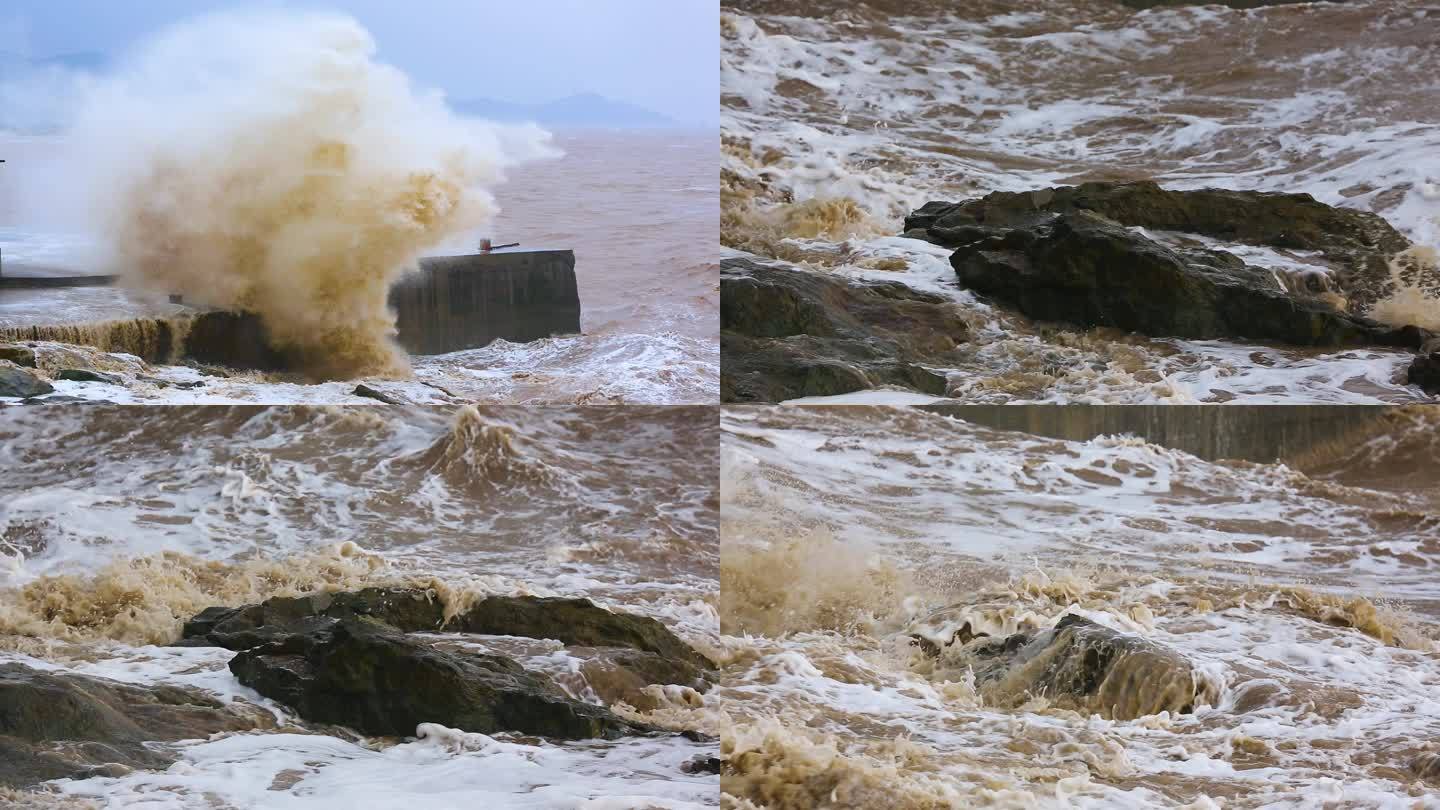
(56, 725)
(1142, 258)
(787, 333)
(350, 659)
(354, 659)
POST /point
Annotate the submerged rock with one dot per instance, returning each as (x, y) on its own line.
(369, 676)
(1424, 371)
(1074, 254)
(56, 725)
(788, 333)
(363, 390)
(1082, 665)
(17, 382)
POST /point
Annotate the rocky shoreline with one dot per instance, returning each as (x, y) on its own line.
(1209, 264)
(361, 660)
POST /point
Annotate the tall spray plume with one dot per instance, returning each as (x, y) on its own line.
(268, 163)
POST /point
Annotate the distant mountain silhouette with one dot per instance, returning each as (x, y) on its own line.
(581, 110)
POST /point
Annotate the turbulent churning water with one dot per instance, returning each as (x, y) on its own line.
(839, 118)
(1304, 595)
(117, 524)
(638, 208)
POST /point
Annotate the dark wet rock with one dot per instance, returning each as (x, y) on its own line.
(86, 375)
(338, 657)
(788, 333)
(55, 725)
(363, 390)
(17, 382)
(1086, 666)
(367, 675)
(570, 621)
(56, 400)
(1424, 371)
(574, 621)
(241, 628)
(18, 354)
(702, 764)
(1071, 254)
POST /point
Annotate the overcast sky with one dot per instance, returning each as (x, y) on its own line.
(660, 54)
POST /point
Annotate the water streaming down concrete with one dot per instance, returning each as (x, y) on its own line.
(464, 302)
(1258, 433)
(451, 303)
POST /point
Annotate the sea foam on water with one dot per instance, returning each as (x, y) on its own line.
(267, 162)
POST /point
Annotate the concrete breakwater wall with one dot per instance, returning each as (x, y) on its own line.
(452, 303)
(464, 302)
(1259, 433)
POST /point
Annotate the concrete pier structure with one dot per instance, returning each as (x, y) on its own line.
(451, 303)
(465, 302)
(1259, 433)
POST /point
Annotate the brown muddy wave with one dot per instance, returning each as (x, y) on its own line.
(479, 454)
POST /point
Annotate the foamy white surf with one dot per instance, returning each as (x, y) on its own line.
(951, 103)
(164, 509)
(1254, 572)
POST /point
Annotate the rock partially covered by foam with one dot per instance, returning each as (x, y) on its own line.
(1082, 665)
(367, 675)
(57, 725)
(1145, 259)
(346, 658)
(787, 333)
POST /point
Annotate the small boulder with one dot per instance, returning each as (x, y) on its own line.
(17, 382)
(702, 764)
(363, 390)
(1082, 665)
(87, 375)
